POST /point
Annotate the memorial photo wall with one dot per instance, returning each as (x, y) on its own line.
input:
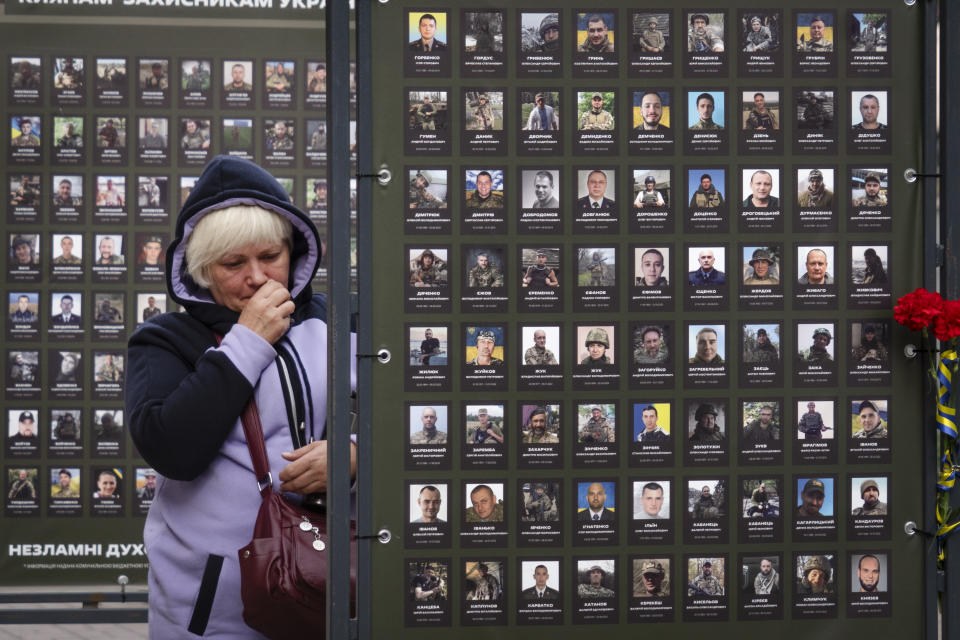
(104, 146)
(646, 260)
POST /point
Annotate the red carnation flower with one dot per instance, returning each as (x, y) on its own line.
(918, 309)
(947, 323)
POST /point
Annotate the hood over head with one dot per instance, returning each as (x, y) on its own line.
(227, 181)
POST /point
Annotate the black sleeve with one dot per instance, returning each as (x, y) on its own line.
(182, 400)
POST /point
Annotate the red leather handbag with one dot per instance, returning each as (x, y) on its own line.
(283, 570)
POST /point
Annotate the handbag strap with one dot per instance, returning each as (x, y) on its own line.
(253, 432)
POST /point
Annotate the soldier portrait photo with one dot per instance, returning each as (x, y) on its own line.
(427, 189)
(540, 579)
(427, 503)
(152, 133)
(279, 76)
(540, 110)
(279, 136)
(483, 580)
(112, 132)
(652, 188)
(427, 110)
(651, 267)
(815, 419)
(427, 31)
(111, 77)
(651, 577)
(815, 575)
(540, 33)
(540, 189)
(428, 267)
(761, 265)
(868, 111)
(869, 496)
(706, 110)
(483, 110)
(706, 187)
(66, 249)
(595, 345)
(237, 135)
(65, 426)
(815, 32)
(651, 422)
(815, 342)
(237, 76)
(68, 132)
(651, 33)
(651, 111)
(761, 575)
(593, 188)
(706, 421)
(761, 423)
(483, 267)
(868, 419)
(705, 577)
(815, 497)
(24, 250)
(761, 344)
(540, 345)
(428, 346)
(428, 582)
(596, 109)
(23, 307)
(651, 344)
(428, 424)
(815, 188)
(706, 499)
(541, 501)
(869, 265)
(870, 31)
(596, 423)
(108, 308)
(25, 131)
(595, 33)
(869, 187)
(707, 344)
(869, 573)
(486, 502)
(596, 579)
(195, 75)
(540, 267)
(65, 483)
(483, 188)
(815, 110)
(25, 76)
(651, 500)
(111, 190)
(150, 305)
(153, 74)
(22, 486)
(483, 345)
(194, 134)
(540, 423)
(108, 366)
(705, 33)
(68, 74)
(483, 32)
(815, 265)
(760, 32)
(760, 110)
(759, 498)
(23, 368)
(596, 266)
(24, 190)
(484, 424)
(869, 343)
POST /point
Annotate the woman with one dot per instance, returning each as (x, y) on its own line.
(241, 266)
(874, 272)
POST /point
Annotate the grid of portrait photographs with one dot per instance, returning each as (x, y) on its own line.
(102, 153)
(629, 304)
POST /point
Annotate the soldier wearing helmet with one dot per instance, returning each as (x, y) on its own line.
(651, 40)
(817, 352)
(706, 428)
(649, 196)
(550, 33)
(816, 576)
(597, 269)
(597, 343)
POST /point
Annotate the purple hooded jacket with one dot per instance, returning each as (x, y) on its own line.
(184, 398)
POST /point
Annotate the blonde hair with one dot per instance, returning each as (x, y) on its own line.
(231, 229)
